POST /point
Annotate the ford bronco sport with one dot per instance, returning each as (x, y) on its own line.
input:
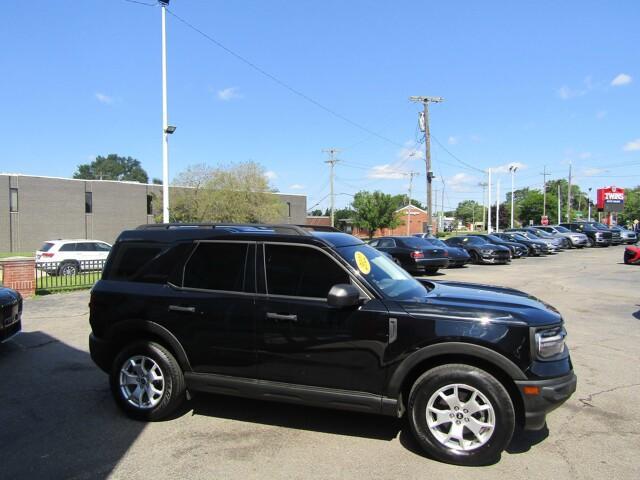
(319, 318)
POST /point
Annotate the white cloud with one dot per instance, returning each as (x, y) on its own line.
(104, 98)
(475, 138)
(565, 92)
(584, 155)
(461, 182)
(270, 174)
(632, 146)
(621, 79)
(505, 168)
(386, 171)
(452, 140)
(229, 94)
(297, 186)
(399, 168)
(590, 172)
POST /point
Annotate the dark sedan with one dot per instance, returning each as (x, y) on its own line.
(480, 250)
(536, 247)
(458, 256)
(415, 255)
(517, 249)
(10, 313)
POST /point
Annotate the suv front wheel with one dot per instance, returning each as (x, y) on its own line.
(461, 414)
(147, 381)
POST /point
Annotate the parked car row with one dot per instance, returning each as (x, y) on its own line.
(425, 254)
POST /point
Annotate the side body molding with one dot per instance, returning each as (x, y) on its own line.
(126, 328)
(394, 386)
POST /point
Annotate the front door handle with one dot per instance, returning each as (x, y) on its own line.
(279, 317)
(178, 308)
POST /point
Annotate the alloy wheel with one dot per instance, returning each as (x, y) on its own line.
(142, 382)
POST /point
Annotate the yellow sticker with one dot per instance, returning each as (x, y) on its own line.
(363, 263)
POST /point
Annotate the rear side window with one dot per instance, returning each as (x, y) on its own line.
(85, 247)
(131, 259)
(68, 247)
(46, 247)
(301, 271)
(217, 266)
(387, 243)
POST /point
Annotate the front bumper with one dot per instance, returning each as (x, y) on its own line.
(552, 393)
(502, 257)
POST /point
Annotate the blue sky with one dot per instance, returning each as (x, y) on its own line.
(533, 83)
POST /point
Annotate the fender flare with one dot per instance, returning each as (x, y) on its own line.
(123, 328)
(394, 386)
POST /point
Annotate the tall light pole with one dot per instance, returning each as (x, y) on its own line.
(332, 162)
(427, 143)
(489, 203)
(498, 205)
(589, 202)
(484, 204)
(166, 131)
(410, 175)
(569, 196)
(512, 169)
(544, 192)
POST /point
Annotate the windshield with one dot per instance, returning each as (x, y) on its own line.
(390, 279)
(519, 236)
(543, 234)
(601, 226)
(493, 238)
(415, 242)
(562, 229)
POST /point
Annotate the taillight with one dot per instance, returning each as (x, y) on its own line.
(417, 254)
(48, 255)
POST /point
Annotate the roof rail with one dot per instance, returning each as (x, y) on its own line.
(320, 228)
(284, 229)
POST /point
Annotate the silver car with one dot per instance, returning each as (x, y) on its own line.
(576, 239)
(627, 236)
(553, 244)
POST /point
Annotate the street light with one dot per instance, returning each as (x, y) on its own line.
(512, 169)
(166, 128)
(589, 202)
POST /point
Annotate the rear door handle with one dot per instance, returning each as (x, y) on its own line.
(282, 317)
(178, 308)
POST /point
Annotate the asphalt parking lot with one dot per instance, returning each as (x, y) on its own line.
(57, 419)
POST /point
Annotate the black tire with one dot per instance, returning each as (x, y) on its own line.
(431, 270)
(475, 258)
(69, 268)
(430, 383)
(590, 242)
(173, 393)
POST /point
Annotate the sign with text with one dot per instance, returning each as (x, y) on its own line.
(610, 199)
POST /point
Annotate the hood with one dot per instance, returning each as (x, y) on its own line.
(482, 303)
(457, 252)
(8, 296)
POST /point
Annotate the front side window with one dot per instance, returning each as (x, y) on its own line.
(217, 266)
(301, 271)
(68, 247)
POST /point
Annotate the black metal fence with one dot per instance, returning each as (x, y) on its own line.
(67, 275)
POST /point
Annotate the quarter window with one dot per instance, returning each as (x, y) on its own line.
(301, 271)
(217, 266)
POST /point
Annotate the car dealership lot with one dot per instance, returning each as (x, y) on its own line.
(58, 419)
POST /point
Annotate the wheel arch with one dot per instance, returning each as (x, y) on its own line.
(130, 331)
(503, 369)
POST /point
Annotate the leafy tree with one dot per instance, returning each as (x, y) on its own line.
(374, 211)
(112, 167)
(400, 200)
(156, 181)
(504, 216)
(631, 210)
(468, 210)
(316, 213)
(237, 193)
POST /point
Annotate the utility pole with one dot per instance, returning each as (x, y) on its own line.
(427, 142)
(498, 205)
(489, 203)
(165, 118)
(332, 162)
(410, 175)
(589, 201)
(441, 223)
(512, 169)
(569, 196)
(484, 204)
(544, 191)
(559, 204)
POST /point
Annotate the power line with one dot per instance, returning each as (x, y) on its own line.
(142, 3)
(455, 157)
(282, 83)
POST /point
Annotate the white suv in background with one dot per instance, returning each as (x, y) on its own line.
(69, 257)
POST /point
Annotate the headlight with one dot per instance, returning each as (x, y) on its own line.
(550, 342)
(598, 234)
(486, 251)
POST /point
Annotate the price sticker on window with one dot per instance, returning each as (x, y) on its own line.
(363, 263)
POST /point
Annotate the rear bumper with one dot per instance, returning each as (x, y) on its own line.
(552, 393)
(101, 352)
(422, 263)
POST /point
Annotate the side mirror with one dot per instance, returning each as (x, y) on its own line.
(343, 295)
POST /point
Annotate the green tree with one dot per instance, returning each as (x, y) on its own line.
(316, 213)
(468, 210)
(400, 200)
(374, 211)
(112, 167)
(237, 193)
(631, 210)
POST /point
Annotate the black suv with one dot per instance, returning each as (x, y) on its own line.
(595, 236)
(319, 318)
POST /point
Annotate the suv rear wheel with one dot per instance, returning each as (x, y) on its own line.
(69, 268)
(461, 414)
(147, 381)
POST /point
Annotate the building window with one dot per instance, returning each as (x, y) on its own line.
(88, 202)
(13, 199)
(149, 204)
(289, 209)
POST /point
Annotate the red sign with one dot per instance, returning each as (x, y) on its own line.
(545, 220)
(610, 199)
